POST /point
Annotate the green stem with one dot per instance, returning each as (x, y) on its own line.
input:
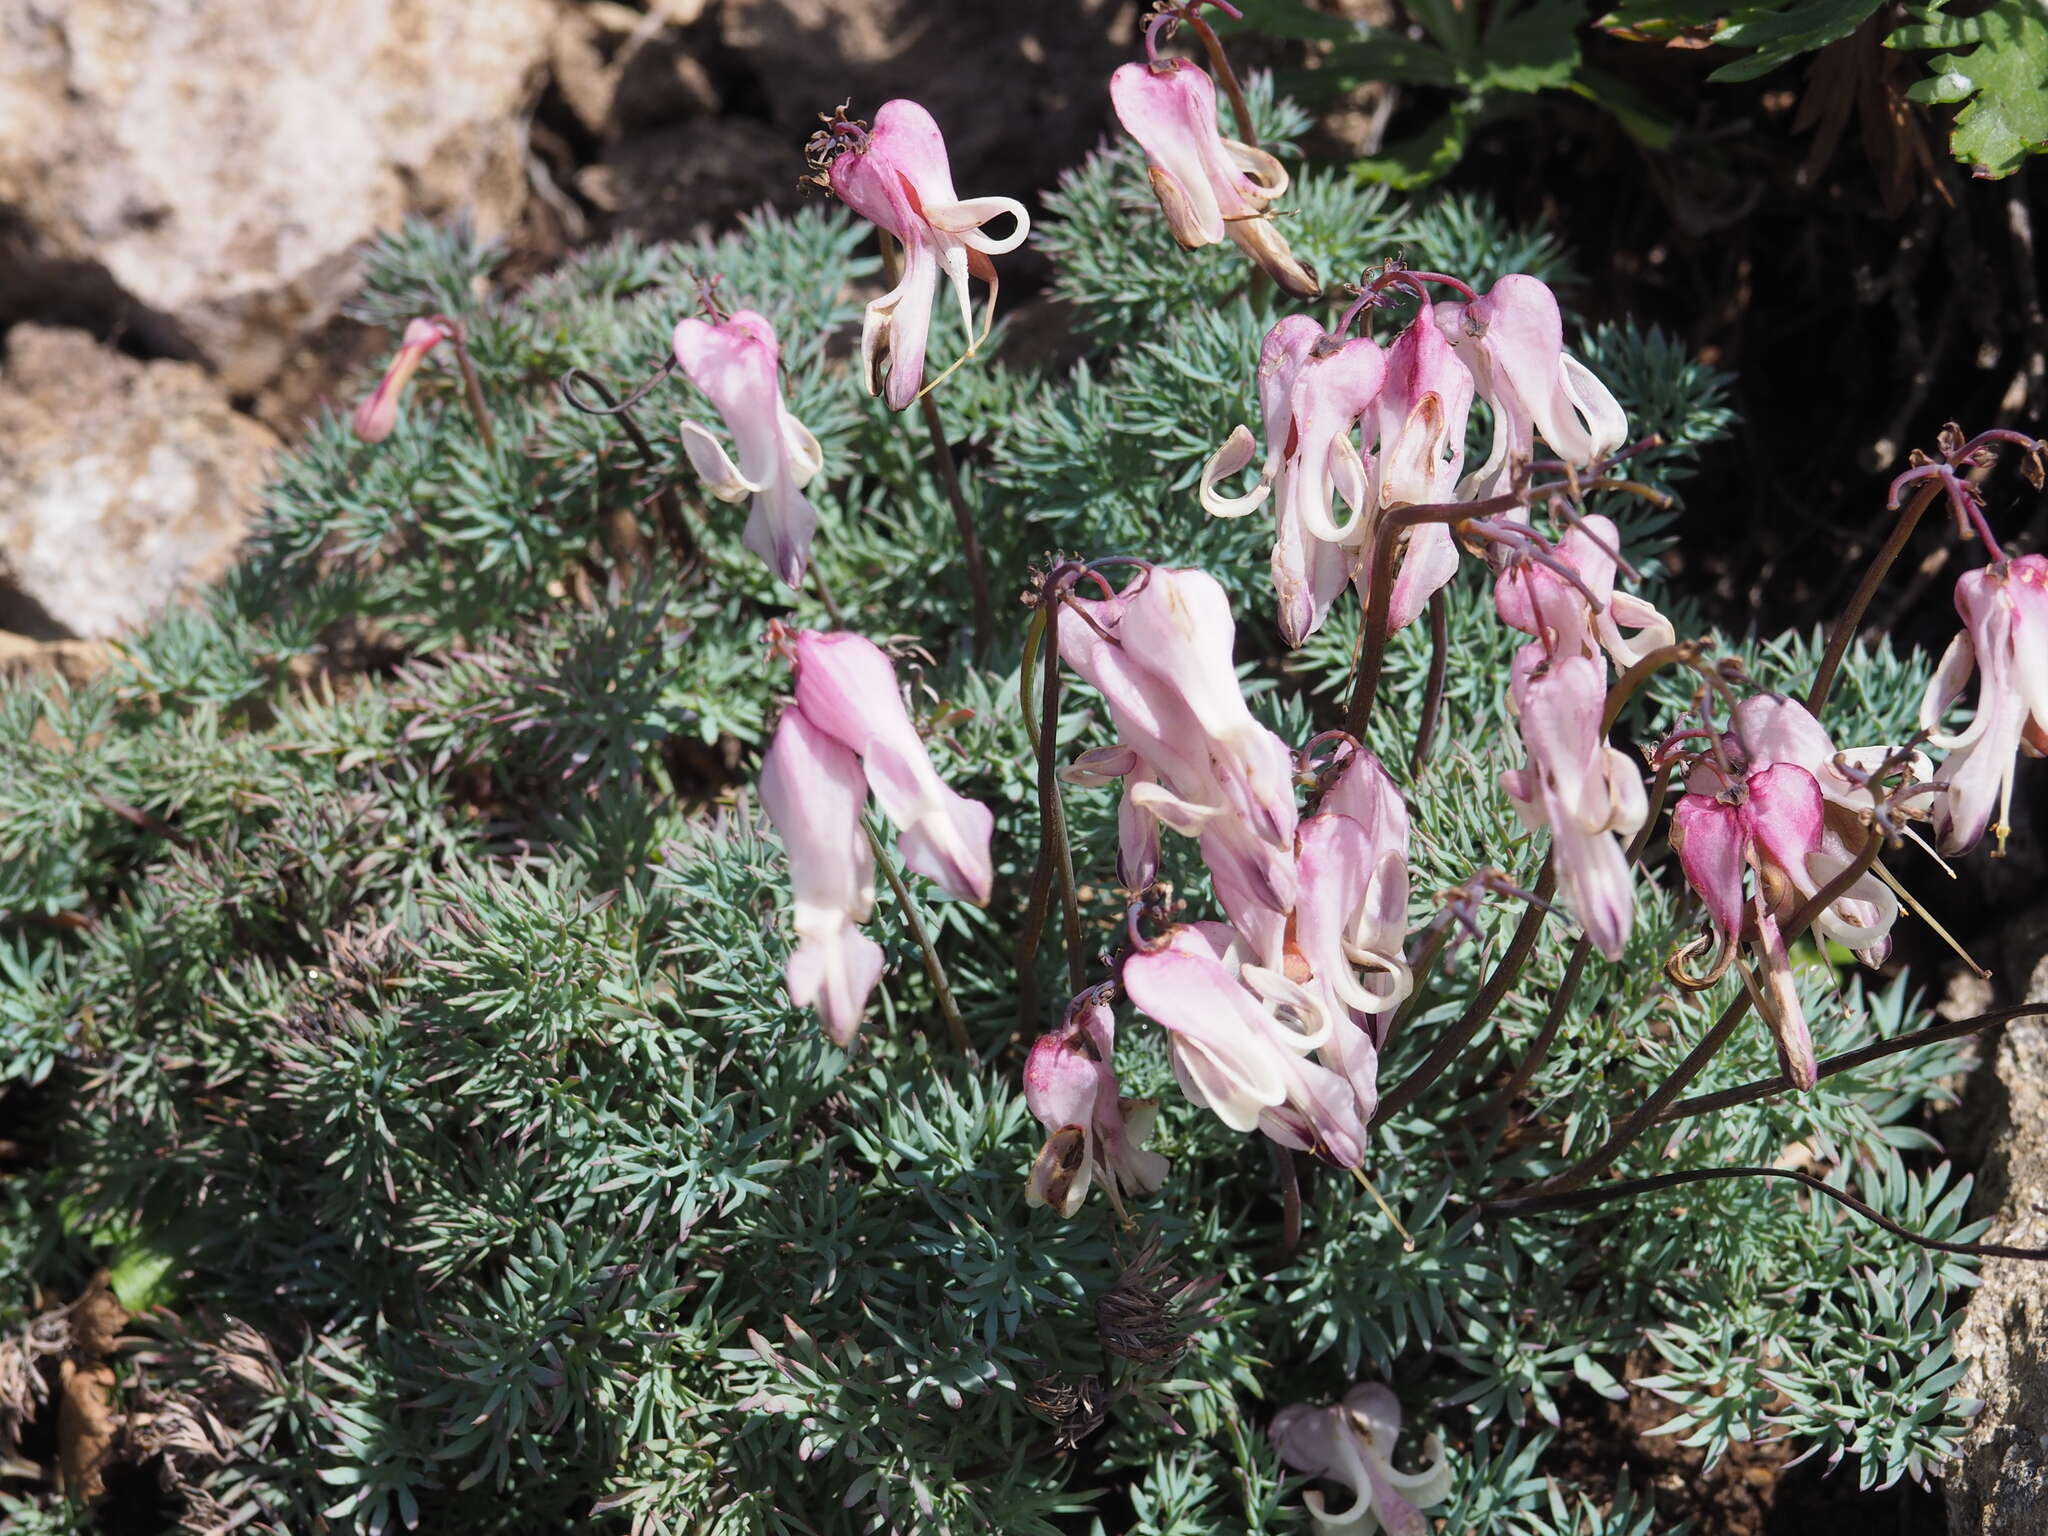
(948, 1009)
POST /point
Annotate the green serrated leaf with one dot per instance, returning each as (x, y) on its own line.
(1780, 33)
(2003, 79)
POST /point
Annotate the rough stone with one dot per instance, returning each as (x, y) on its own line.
(2000, 1486)
(124, 483)
(204, 173)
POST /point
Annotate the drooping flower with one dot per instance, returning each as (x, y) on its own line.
(898, 177)
(813, 791)
(1092, 1131)
(737, 364)
(2004, 608)
(1239, 1054)
(1769, 820)
(377, 417)
(1209, 187)
(1312, 393)
(846, 687)
(1352, 1444)
(847, 735)
(1585, 618)
(1193, 757)
(1769, 728)
(1511, 338)
(1588, 793)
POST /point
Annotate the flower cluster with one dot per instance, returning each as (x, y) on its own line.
(1276, 1018)
(1278, 1007)
(1383, 429)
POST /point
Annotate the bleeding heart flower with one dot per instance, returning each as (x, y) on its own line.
(813, 790)
(847, 688)
(1769, 820)
(737, 365)
(1573, 618)
(1313, 393)
(1239, 1053)
(377, 417)
(1352, 1444)
(898, 176)
(1070, 1086)
(1209, 187)
(2004, 608)
(1586, 792)
(1512, 339)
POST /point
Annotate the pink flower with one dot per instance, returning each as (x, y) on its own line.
(2004, 608)
(737, 364)
(1209, 187)
(1768, 729)
(898, 177)
(1512, 340)
(812, 789)
(1540, 601)
(1586, 792)
(1092, 1131)
(846, 688)
(1422, 410)
(1316, 395)
(1769, 820)
(377, 417)
(1352, 1444)
(1235, 1054)
(1312, 393)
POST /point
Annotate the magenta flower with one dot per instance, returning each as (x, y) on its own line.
(2004, 608)
(1769, 820)
(1092, 1131)
(1512, 339)
(898, 177)
(737, 365)
(1586, 792)
(1240, 1055)
(1768, 729)
(377, 417)
(1352, 1444)
(1209, 187)
(813, 791)
(847, 688)
(1585, 618)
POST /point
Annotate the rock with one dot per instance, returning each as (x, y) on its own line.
(622, 72)
(2000, 1486)
(124, 483)
(681, 182)
(203, 173)
(75, 661)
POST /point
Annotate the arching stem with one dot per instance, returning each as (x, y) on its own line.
(1852, 617)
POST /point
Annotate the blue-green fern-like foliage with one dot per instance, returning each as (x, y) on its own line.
(392, 958)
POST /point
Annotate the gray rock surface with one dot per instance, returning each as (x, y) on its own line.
(204, 172)
(122, 484)
(2000, 1487)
